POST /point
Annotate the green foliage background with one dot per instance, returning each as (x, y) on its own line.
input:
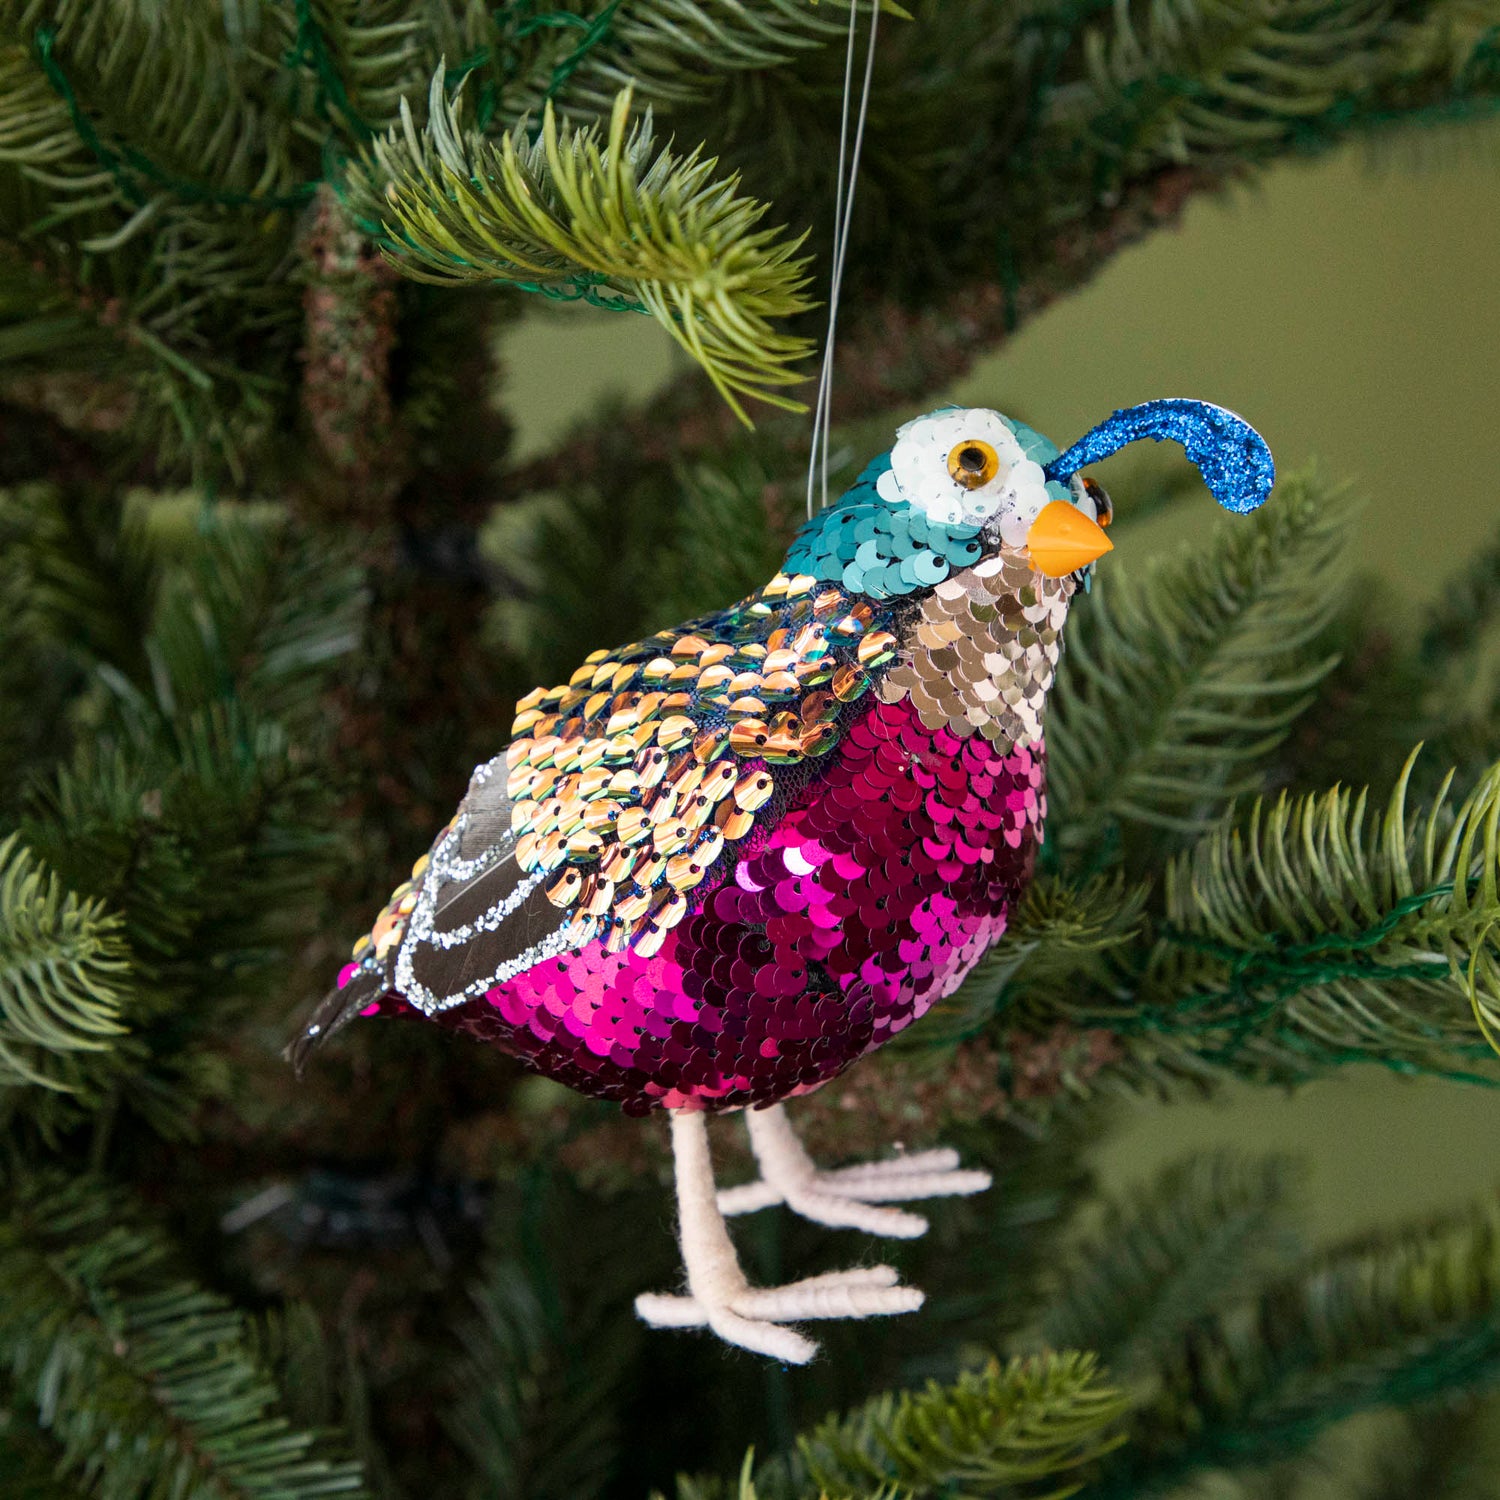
(274, 568)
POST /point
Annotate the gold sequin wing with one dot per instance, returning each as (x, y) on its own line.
(638, 780)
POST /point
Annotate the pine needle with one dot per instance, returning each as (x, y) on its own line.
(1390, 1320)
(611, 220)
(1177, 686)
(1202, 1233)
(677, 51)
(148, 1384)
(64, 975)
(1058, 933)
(1023, 1422)
(1378, 922)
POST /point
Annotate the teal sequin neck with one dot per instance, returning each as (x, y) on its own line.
(885, 551)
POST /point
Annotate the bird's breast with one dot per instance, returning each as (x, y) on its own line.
(980, 655)
(870, 900)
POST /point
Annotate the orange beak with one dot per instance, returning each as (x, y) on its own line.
(1062, 539)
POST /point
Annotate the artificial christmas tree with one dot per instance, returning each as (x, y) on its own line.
(257, 256)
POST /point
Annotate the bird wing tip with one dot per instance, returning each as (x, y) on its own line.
(333, 1012)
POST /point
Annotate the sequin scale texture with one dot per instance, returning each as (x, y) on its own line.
(983, 650)
(718, 865)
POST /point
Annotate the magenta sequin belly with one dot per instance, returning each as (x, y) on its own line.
(871, 898)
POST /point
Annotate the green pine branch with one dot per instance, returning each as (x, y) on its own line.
(185, 120)
(357, 59)
(211, 844)
(198, 803)
(322, 1384)
(736, 513)
(1312, 934)
(1178, 684)
(925, 261)
(101, 822)
(536, 1411)
(63, 978)
(34, 671)
(671, 51)
(249, 606)
(206, 839)
(187, 602)
(162, 393)
(1032, 1423)
(1386, 925)
(1398, 1319)
(1171, 81)
(140, 180)
(146, 1383)
(1203, 1232)
(610, 219)
(1177, 81)
(87, 571)
(669, 543)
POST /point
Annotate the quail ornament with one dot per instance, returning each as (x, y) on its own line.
(719, 865)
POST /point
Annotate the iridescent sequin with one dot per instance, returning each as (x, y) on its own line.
(716, 866)
(880, 550)
(678, 741)
(871, 898)
(982, 654)
(891, 550)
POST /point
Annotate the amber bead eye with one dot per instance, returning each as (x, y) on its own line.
(973, 463)
(1104, 507)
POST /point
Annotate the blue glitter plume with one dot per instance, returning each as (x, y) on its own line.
(1230, 454)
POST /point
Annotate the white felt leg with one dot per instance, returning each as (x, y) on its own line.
(718, 1294)
(846, 1198)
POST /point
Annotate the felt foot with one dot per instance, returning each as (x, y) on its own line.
(845, 1198)
(721, 1299)
(751, 1317)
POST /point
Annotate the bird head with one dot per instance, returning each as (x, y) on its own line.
(981, 476)
(961, 484)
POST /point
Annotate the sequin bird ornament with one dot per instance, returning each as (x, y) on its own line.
(717, 866)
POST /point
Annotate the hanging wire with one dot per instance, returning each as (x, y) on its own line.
(825, 372)
(843, 216)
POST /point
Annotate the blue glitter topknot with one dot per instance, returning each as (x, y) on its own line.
(1230, 454)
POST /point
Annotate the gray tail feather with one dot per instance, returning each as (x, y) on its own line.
(334, 1012)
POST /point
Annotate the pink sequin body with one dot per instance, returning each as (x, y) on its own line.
(870, 899)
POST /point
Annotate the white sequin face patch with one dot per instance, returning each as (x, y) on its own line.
(920, 473)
